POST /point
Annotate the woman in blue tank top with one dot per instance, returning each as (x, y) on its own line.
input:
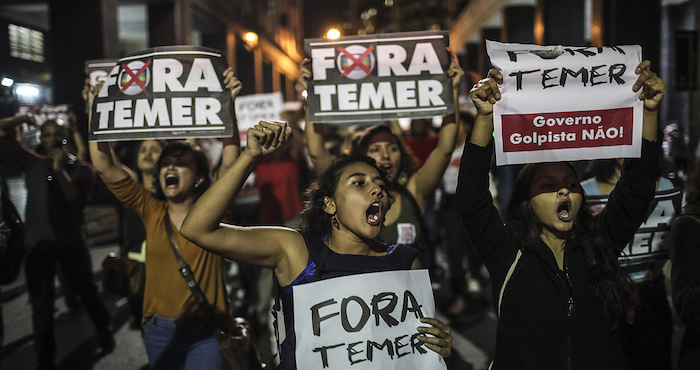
(339, 237)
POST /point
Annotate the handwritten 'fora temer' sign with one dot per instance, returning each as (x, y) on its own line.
(566, 103)
(165, 92)
(366, 321)
(379, 77)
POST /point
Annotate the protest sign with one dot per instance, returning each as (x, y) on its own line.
(566, 103)
(164, 93)
(379, 77)
(98, 70)
(366, 321)
(251, 109)
(647, 243)
(42, 113)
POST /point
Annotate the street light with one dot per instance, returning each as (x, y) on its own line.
(333, 34)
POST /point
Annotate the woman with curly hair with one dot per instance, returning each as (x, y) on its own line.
(553, 267)
(338, 237)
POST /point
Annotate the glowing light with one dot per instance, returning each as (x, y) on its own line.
(251, 37)
(333, 34)
(27, 91)
(7, 82)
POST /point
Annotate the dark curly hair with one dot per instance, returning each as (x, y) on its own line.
(314, 219)
(359, 144)
(201, 167)
(609, 283)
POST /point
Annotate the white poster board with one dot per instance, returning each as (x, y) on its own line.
(366, 321)
(251, 109)
(566, 103)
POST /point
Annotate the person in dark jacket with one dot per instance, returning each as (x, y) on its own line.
(555, 277)
(685, 272)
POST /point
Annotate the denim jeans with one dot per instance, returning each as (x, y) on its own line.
(183, 343)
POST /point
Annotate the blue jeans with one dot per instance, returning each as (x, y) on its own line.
(184, 343)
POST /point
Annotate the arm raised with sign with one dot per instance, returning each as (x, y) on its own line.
(549, 235)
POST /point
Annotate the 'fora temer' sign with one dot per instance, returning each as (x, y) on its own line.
(164, 92)
(379, 77)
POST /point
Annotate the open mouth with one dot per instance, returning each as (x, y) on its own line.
(387, 167)
(373, 214)
(171, 180)
(564, 211)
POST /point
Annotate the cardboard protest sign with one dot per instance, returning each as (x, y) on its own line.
(566, 103)
(251, 109)
(379, 77)
(164, 93)
(366, 321)
(98, 70)
(647, 243)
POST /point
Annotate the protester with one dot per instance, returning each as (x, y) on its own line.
(646, 331)
(59, 187)
(685, 272)
(175, 335)
(351, 187)
(553, 267)
(411, 189)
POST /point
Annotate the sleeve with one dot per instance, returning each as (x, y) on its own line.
(24, 156)
(132, 194)
(629, 202)
(685, 270)
(481, 219)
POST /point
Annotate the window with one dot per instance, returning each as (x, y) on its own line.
(26, 43)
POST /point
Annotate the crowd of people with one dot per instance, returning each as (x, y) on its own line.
(381, 199)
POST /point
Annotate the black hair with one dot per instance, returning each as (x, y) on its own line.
(359, 144)
(609, 283)
(201, 167)
(314, 219)
(603, 169)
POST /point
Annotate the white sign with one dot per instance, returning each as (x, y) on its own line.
(366, 321)
(251, 109)
(566, 103)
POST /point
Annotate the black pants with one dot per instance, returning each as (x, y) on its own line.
(459, 247)
(40, 269)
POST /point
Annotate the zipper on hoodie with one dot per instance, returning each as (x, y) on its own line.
(569, 314)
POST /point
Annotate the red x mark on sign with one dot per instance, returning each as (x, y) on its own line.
(357, 63)
(135, 77)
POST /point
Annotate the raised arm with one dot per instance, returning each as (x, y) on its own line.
(11, 122)
(232, 145)
(424, 182)
(315, 146)
(101, 152)
(629, 201)
(275, 247)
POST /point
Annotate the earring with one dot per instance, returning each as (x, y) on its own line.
(335, 222)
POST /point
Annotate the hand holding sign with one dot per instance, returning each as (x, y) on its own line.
(232, 82)
(653, 87)
(440, 340)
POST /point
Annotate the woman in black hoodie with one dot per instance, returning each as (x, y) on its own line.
(553, 267)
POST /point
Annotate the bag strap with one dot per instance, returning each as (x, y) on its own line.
(186, 271)
(508, 275)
